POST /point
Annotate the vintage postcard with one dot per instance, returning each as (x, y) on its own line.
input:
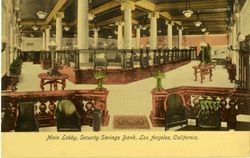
(125, 78)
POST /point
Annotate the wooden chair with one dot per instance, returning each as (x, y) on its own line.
(175, 111)
(67, 118)
(26, 121)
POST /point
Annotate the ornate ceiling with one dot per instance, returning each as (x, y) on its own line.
(214, 14)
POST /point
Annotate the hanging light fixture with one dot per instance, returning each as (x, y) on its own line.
(198, 22)
(42, 14)
(35, 27)
(66, 27)
(203, 29)
(187, 12)
(90, 15)
(236, 8)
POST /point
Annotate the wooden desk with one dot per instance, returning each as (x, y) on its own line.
(203, 70)
(52, 80)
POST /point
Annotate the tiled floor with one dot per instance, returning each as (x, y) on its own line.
(133, 98)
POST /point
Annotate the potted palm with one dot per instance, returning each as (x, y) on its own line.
(209, 115)
(99, 76)
(158, 75)
(15, 67)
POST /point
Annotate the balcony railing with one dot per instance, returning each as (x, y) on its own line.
(45, 103)
(124, 59)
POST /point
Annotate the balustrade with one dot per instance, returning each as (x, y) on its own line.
(45, 102)
(231, 103)
(123, 59)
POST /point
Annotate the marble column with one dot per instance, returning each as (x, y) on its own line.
(7, 50)
(153, 29)
(119, 35)
(180, 37)
(96, 37)
(11, 42)
(83, 29)
(170, 35)
(127, 7)
(138, 37)
(44, 41)
(59, 32)
(48, 27)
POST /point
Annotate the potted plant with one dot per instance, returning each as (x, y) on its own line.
(15, 67)
(99, 76)
(158, 75)
(209, 115)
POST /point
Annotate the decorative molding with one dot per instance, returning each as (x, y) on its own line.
(153, 14)
(59, 15)
(127, 5)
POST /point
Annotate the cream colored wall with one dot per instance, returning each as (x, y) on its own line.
(245, 15)
(37, 43)
(31, 44)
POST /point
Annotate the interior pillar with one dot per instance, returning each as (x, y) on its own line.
(180, 38)
(44, 41)
(153, 30)
(96, 37)
(127, 7)
(119, 35)
(83, 29)
(48, 27)
(138, 37)
(170, 35)
(59, 32)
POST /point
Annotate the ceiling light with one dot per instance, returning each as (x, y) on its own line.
(67, 28)
(187, 12)
(91, 16)
(115, 32)
(144, 27)
(41, 14)
(35, 28)
(203, 29)
(241, 37)
(31, 35)
(197, 23)
(109, 36)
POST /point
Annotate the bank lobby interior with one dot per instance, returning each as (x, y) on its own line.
(125, 65)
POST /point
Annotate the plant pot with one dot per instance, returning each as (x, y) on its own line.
(209, 119)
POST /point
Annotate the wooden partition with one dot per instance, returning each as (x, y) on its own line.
(232, 102)
(45, 103)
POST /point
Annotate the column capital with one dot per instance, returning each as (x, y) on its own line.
(59, 15)
(96, 29)
(127, 4)
(153, 14)
(119, 23)
(180, 28)
(138, 27)
(169, 22)
(48, 27)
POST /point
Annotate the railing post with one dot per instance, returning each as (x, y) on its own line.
(147, 53)
(132, 58)
(141, 58)
(164, 56)
(105, 60)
